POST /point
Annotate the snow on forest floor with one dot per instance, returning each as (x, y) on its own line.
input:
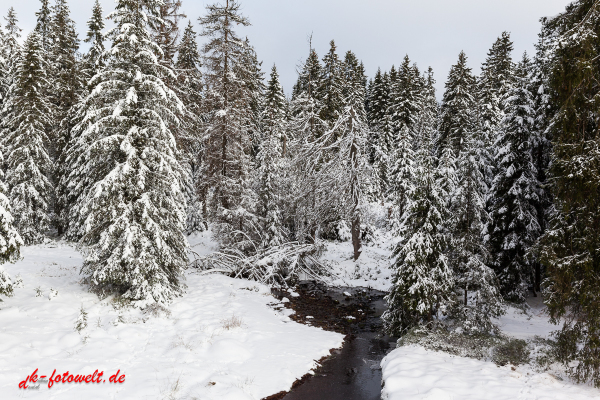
(221, 340)
(372, 269)
(414, 373)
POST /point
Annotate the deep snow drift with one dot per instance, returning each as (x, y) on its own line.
(220, 341)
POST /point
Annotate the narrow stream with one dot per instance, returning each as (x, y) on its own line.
(352, 372)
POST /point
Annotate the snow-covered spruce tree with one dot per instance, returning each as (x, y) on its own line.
(497, 77)
(401, 175)
(71, 184)
(10, 241)
(24, 142)
(270, 163)
(478, 297)
(132, 204)
(251, 73)
(457, 104)
(422, 278)
(93, 60)
(405, 94)
(378, 98)
(541, 136)
(67, 86)
(226, 157)
(570, 246)
(427, 113)
(331, 89)
(354, 86)
(9, 59)
(514, 196)
(305, 128)
(189, 88)
(42, 26)
(381, 142)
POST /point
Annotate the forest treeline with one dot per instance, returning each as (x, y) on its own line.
(492, 194)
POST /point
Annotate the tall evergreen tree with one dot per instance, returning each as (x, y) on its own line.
(25, 143)
(42, 27)
(381, 139)
(9, 59)
(514, 227)
(422, 278)
(542, 140)
(189, 88)
(227, 141)
(404, 97)
(354, 87)
(10, 241)
(496, 79)
(94, 61)
(306, 102)
(331, 89)
(570, 247)
(132, 204)
(427, 113)
(270, 158)
(457, 105)
(378, 98)
(478, 296)
(401, 174)
(67, 86)
(251, 73)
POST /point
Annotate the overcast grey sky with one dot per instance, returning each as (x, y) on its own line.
(380, 32)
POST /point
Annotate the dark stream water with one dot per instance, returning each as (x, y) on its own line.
(352, 372)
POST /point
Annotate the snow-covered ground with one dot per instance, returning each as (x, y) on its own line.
(220, 341)
(372, 269)
(414, 373)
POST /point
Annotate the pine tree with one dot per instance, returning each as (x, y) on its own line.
(422, 279)
(378, 99)
(478, 296)
(306, 102)
(569, 248)
(10, 241)
(514, 195)
(541, 135)
(457, 103)
(251, 73)
(189, 88)
(65, 91)
(497, 77)
(25, 141)
(354, 87)
(381, 142)
(306, 128)
(9, 58)
(401, 175)
(270, 159)
(227, 141)
(427, 113)
(94, 61)
(42, 27)
(404, 97)
(331, 89)
(132, 202)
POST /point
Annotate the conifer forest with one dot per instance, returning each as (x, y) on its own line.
(167, 210)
